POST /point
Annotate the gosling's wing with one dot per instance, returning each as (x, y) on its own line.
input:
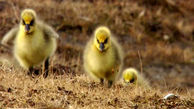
(118, 51)
(86, 53)
(9, 37)
(118, 56)
(87, 57)
(48, 30)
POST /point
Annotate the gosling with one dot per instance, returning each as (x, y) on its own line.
(103, 57)
(132, 76)
(34, 42)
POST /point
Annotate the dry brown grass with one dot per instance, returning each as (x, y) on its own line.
(77, 91)
(160, 32)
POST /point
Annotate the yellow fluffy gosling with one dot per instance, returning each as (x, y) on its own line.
(131, 75)
(34, 41)
(103, 56)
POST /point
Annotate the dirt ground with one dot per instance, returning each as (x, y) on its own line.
(156, 35)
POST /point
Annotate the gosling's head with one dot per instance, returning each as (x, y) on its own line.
(102, 38)
(28, 20)
(130, 75)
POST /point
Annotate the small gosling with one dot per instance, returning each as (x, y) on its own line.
(34, 41)
(103, 57)
(131, 75)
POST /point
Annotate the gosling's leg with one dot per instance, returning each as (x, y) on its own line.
(110, 82)
(46, 66)
(30, 71)
(101, 81)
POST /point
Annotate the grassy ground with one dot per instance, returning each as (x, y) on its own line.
(156, 35)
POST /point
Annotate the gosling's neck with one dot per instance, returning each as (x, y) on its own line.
(25, 34)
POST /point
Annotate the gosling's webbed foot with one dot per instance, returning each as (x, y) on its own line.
(30, 71)
(36, 71)
(33, 72)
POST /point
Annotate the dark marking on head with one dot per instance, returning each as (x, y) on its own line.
(97, 40)
(132, 80)
(32, 23)
(106, 40)
(23, 22)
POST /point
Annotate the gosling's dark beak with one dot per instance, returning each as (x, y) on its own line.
(27, 27)
(101, 46)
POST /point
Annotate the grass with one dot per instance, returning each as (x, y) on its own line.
(159, 32)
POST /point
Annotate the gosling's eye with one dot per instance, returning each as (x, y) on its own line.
(98, 41)
(32, 23)
(106, 40)
(23, 22)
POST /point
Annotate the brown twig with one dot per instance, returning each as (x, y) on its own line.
(141, 65)
(15, 11)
